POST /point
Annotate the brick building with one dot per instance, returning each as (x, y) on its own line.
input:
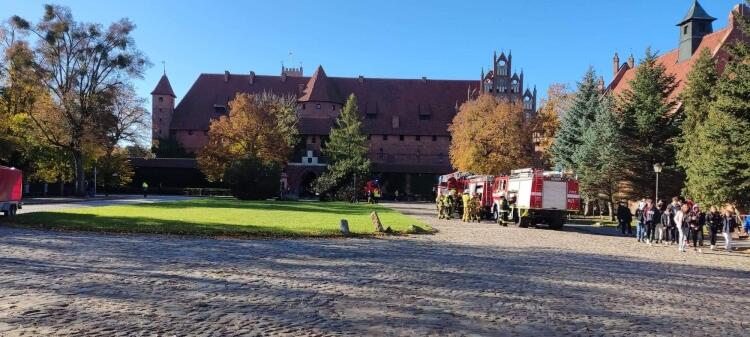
(406, 120)
(695, 34)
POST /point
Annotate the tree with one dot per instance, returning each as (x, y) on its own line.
(490, 136)
(697, 98)
(347, 150)
(78, 63)
(261, 126)
(547, 123)
(600, 156)
(170, 148)
(249, 171)
(123, 121)
(721, 170)
(651, 126)
(577, 119)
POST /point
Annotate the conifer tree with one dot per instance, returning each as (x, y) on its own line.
(347, 149)
(650, 128)
(600, 156)
(697, 98)
(575, 121)
(724, 167)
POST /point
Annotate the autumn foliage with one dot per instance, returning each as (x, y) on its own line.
(263, 127)
(490, 136)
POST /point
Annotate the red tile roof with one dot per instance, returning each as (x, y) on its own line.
(320, 89)
(713, 42)
(381, 98)
(163, 87)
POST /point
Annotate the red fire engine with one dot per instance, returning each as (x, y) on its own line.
(538, 196)
(11, 182)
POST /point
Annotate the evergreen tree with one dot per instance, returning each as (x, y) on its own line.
(600, 156)
(575, 121)
(347, 151)
(724, 166)
(651, 127)
(696, 101)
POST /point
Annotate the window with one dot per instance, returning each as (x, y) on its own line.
(417, 138)
(424, 117)
(434, 138)
(684, 30)
(190, 132)
(317, 106)
(220, 109)
(303, 106)
(333, 107)
(385, 137)
(161, 99)
(401, 138)
(313, 139)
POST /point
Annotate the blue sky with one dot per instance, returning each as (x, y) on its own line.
(553, 41)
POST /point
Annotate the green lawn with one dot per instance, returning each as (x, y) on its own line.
(222, 217)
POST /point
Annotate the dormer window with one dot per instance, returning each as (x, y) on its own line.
(220, 109)
(161, 99)
(333, 107)
(303, 106)
(317, 106)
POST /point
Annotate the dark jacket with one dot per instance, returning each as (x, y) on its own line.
(650, 215)
(714, 220)
(623, 214)
(639, 215)
(666, 219)
(696, 220)
(729, 223)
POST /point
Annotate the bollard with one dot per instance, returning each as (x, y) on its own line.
(376, 222)
(344, 227)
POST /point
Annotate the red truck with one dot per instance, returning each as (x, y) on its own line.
(11, 188)
(536, 196)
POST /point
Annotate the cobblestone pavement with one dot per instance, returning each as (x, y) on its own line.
(469, 279)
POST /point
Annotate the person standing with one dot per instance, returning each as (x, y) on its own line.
(746, 225)
(650, 218)
(729, 223)
(624, 218)
(674, 207)
(665, 224)
(714, 222)
(695, 226)
(640, 229)
(144, 186)
(476, 208)
(681, 224)
(466, 200)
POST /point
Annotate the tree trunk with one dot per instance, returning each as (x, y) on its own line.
(610, 207)
(586, 206)
(80, 181)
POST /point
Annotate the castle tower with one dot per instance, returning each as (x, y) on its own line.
(162, 110)
(696, 24)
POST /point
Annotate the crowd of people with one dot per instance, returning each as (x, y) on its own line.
(682, 223)
(469, 206)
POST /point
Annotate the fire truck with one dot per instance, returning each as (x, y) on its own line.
(537, 196)
(11, 182)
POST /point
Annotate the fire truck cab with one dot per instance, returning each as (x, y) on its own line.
(537, 197)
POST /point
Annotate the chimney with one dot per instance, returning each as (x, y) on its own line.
(615, 64)
(226, 76)
(361, 79)
(252, 78)
(631, 61)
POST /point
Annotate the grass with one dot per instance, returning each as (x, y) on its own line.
(222, 217)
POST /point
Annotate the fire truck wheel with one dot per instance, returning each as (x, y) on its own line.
(523, 222)
(13, 210)
(557, 223)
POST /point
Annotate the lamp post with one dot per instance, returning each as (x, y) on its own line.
(657, 169)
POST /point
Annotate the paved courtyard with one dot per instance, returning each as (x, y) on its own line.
(469, 279)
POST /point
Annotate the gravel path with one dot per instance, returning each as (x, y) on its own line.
(469, 279)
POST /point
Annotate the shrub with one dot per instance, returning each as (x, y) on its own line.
(250, 179)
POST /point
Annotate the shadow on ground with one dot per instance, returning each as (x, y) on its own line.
(358, 287)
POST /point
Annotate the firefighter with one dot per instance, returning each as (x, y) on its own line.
(504, 210)
(476, 208)
(466, 199)
(448, 207)
(440, 202)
